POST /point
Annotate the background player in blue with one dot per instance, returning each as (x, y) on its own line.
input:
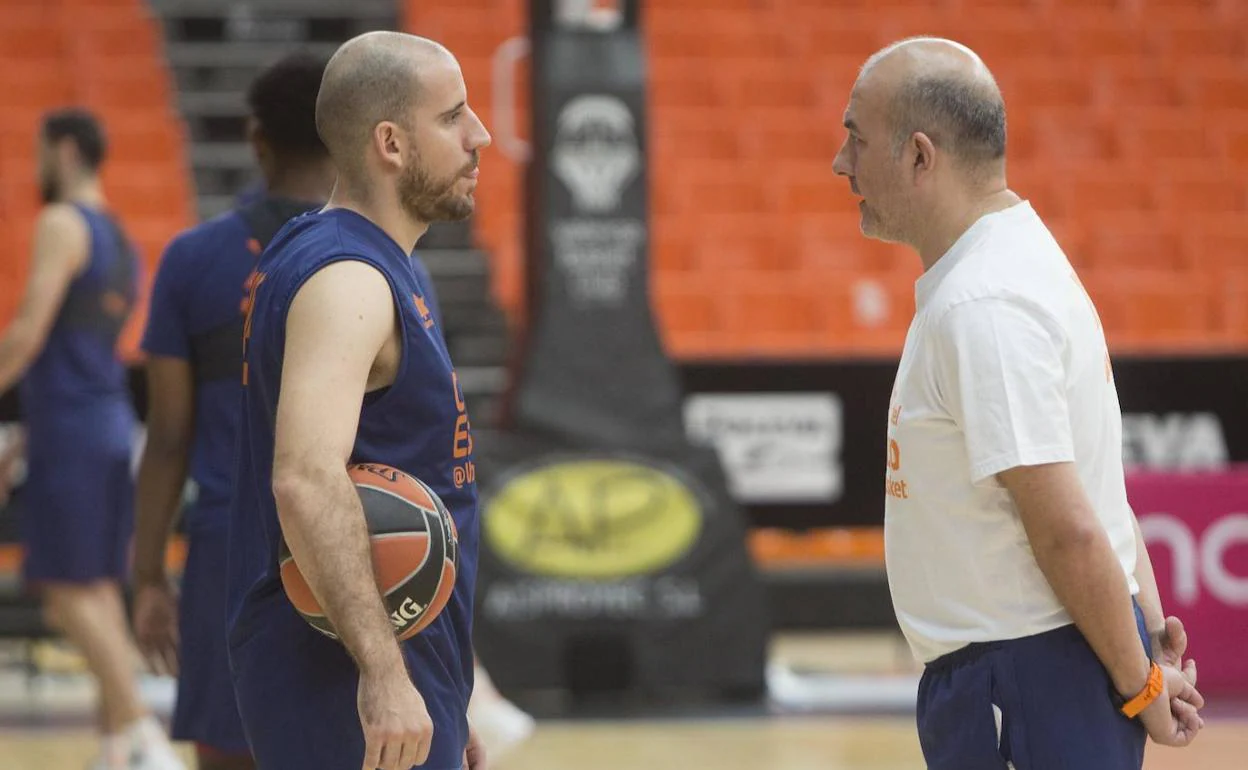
(194, 375)
(77, 508)
(341, 365)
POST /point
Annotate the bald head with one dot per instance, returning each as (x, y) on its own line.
(942, 89)
(372, 78)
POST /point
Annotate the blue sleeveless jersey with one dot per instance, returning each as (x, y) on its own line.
(418, 424)
(76, 390)
(197, 315)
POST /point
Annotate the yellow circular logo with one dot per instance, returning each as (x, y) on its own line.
(592, 519)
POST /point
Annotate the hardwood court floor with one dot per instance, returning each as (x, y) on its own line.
(833, 740)
(761, 744)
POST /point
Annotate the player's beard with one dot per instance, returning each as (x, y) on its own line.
(428, 200)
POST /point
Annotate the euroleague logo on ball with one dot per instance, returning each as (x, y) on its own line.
(596, 519)
(384, 471)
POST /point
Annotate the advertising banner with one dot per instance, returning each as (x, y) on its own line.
(1196, 528)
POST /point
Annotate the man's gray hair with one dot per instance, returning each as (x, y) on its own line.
(961, 112)
(960, 116)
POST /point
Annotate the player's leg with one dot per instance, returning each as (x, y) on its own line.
(206, 711)
(75, 543)
(86, 614)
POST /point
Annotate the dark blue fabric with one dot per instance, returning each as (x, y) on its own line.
(1056, 707)
(77, 510)
(206, 711)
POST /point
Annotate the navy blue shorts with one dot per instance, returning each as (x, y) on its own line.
(77, 515)
(297, 694)
(1039, 703)
(206, 711)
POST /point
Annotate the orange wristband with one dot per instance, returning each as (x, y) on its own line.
(1155, 685)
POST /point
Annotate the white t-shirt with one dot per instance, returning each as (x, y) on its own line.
(1005, 364)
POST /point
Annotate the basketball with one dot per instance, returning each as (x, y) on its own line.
(415, 551)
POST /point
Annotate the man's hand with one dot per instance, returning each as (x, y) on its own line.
(156, 626)
(1172, 719)
(13, 451)
(397, 727)
(1170, 644)
(474, 754)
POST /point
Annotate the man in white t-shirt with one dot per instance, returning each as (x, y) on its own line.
(1016, 566)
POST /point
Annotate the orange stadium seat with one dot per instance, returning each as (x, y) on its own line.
(751, 242)
(1235, 143)
(1132, 242)
(1103, 37)
(1234, 315)
(1128, 133)
(1216, 245)
(1189, 33)
(673, 245)
(1203, 190)
(686, 306)
(114, 67)
(1124, 82)
(31, 34)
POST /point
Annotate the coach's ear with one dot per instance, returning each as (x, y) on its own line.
(924, 154)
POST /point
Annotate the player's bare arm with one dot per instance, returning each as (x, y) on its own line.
(1076, 558)
(161, 478)
(340, 343)
(60, 252)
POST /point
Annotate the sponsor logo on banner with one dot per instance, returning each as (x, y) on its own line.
(596, 153)
(1199, 560)
(1174, 441)
(774, 446)
(592, 519)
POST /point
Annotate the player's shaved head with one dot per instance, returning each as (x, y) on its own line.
(942, 89)
(372, 78)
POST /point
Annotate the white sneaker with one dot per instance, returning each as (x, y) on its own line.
(151, 749)
(501, 724)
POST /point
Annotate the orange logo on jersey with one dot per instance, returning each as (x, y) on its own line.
(249, 305)
(893, 486)
(115, 304)
(461, 446)
(426, 317)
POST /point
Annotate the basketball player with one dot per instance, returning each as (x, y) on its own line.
(1013, 556)
(342, 365)
(194, 373)
(79, 424)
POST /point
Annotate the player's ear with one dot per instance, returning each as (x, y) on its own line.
(67, 155)
(391, 143)
(259, 145)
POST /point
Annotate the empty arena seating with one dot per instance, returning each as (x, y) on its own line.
(105, 55)
(1128, 132)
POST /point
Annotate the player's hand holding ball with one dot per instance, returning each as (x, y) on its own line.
(1172, 719)
(397, 729)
